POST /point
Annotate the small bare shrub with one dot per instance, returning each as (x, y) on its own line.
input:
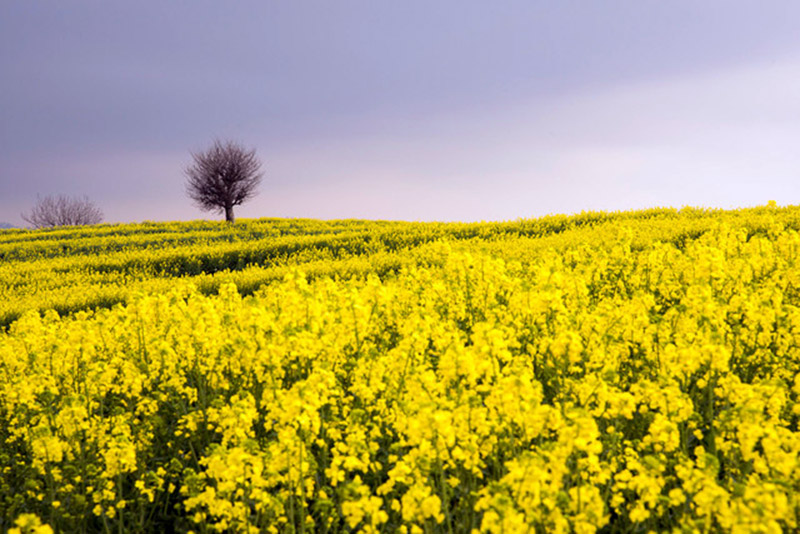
(62, 210)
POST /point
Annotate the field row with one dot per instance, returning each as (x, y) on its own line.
(72, 269)
(629, 375)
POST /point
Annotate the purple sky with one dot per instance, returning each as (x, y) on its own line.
(418, 110)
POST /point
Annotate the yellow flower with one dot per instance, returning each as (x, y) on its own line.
(29, 524)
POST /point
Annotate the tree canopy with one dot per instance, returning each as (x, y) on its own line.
(223, 176)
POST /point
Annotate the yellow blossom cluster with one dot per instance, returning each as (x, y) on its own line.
(635, 372)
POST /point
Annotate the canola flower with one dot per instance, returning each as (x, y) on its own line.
(633, 373)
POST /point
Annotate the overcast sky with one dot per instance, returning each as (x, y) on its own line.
(417, 110)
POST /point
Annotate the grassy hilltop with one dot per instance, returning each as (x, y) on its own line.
(603, 372)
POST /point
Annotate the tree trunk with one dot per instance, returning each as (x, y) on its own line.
(229, 214)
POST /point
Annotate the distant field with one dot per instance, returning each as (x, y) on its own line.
(603, 372)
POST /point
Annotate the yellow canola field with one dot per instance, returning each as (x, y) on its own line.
(636, 374)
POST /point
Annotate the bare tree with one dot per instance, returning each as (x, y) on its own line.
(222, 177)
(62, 211)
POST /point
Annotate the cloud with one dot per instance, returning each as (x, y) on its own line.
(724, 139)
